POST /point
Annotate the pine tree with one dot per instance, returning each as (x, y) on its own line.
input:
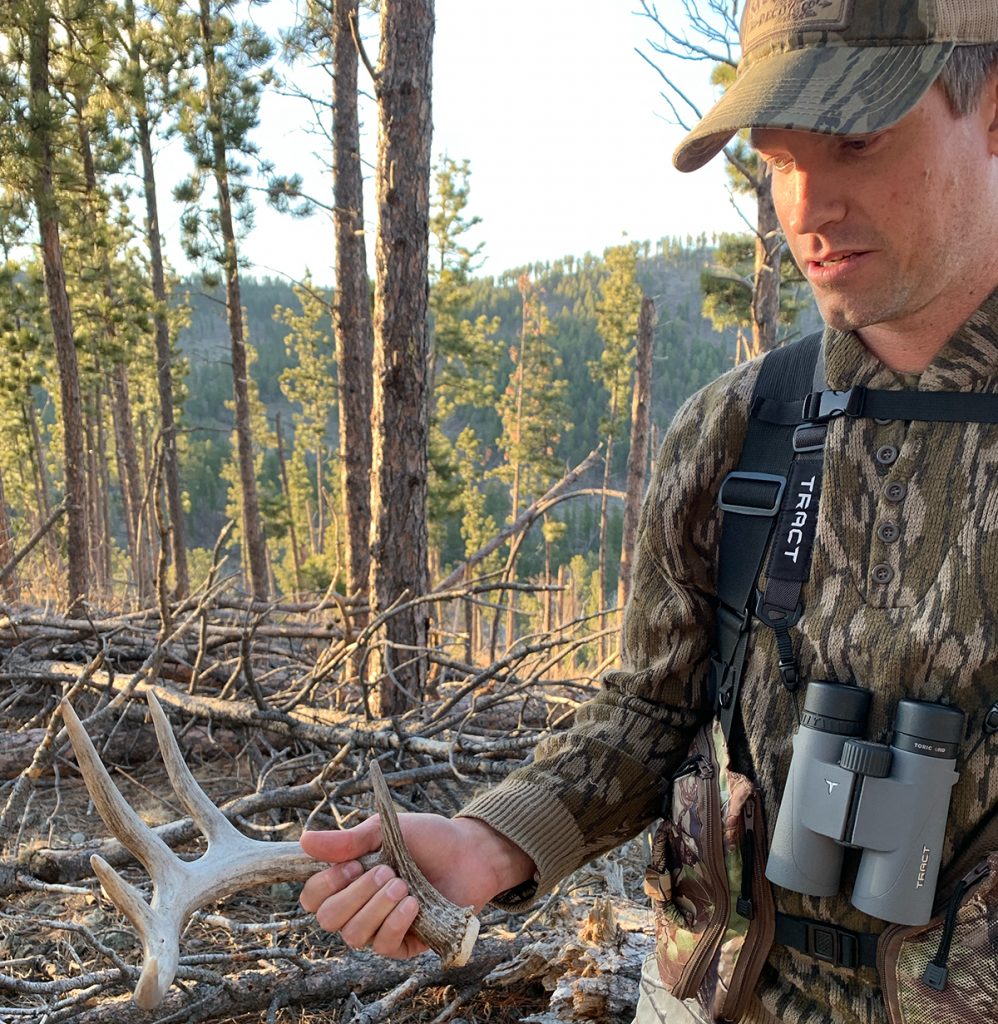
(311, 384)
(617, 323)
(399, 563)
(148, 61)
(533, 413)
(464, 353)
(217, 115)
(29, 167)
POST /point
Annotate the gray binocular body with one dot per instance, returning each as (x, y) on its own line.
(891, 802)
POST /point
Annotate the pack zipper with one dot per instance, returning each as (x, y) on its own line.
(717, 876)
(935, 975)
(936, 971)
(760, 909)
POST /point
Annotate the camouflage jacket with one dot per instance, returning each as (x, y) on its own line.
(926, 628)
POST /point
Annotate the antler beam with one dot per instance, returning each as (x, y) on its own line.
(232, 862)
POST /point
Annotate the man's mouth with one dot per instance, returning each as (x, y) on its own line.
(833, 261)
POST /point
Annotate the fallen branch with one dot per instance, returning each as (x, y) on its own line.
(9, 568)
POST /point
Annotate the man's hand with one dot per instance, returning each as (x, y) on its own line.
(465, 859)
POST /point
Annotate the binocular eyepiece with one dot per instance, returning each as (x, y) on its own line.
(891, 802)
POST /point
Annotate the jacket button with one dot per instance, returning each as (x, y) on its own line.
(895, 490)
(887, 455)
(882, 573)
(888, 532)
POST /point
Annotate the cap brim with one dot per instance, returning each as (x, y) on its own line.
(836, 90)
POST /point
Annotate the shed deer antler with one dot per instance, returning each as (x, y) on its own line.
(231, 862)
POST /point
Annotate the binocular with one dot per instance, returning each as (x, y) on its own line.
(891, 802)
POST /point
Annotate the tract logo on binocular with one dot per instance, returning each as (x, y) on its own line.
(889, 801)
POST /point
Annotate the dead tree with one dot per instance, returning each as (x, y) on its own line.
(711, 36)
(637, 457)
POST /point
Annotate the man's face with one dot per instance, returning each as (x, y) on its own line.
(895, 230)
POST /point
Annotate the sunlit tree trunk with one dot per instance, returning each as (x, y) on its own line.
(766, 278)
(41, 143)
(351, 304)
(401, 402)
(253, 538)
(637, 457)
(8, 586)
(164, 366)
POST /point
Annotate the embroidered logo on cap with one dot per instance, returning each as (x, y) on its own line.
(767, 18)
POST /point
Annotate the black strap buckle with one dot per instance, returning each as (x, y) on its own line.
(825, 405)
(769, 502)
(809, 437)
(835, 946)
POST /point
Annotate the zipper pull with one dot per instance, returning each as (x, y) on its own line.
(695, 764)
(936, 972)
(745, 906)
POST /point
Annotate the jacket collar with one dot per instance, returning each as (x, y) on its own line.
(967, 362)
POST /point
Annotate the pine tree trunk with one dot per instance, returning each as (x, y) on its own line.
(401, 400)
(78, 547)
(121, 407)
(9, 586)
(164, 366)
(351, 304)
(601, 565)
(637, 457)
(40, 469)
(139, 540)
(292, 527)
(766, 283)
(251, 522)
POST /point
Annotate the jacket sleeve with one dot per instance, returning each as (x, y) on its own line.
(598, 783)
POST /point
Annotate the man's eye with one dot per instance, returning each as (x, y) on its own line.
(779, 163)
(861, 145)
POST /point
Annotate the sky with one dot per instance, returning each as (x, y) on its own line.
(563, 123)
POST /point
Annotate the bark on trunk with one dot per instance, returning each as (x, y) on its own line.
(352, 304)
(400, 408)
(164, 366)
(8, 584)
(78, 554)
(292, 528)
(766, 282)
(140, 541)
(40, 466)
(252, 524)
(601, 556)
(637, 458)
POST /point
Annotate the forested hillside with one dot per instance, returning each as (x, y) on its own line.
(688, 353)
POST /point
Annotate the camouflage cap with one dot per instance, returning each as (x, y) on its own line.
(836, 66)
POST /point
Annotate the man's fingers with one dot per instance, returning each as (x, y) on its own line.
(368, 919)
(390, 939)
(324, 884)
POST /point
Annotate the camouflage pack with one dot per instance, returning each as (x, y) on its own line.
(714, 912)
(969, 992)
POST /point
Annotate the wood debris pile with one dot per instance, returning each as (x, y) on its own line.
(277, 725)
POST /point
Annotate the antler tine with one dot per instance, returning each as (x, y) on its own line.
(119, 817)
(208, 818)
(445, 927)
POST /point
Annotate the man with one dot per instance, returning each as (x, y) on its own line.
(879, 121)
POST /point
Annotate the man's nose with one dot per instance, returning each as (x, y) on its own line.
(815, 200)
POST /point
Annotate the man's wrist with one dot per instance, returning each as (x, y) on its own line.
(510, 865)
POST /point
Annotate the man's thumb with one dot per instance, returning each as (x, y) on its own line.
(335, 847)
